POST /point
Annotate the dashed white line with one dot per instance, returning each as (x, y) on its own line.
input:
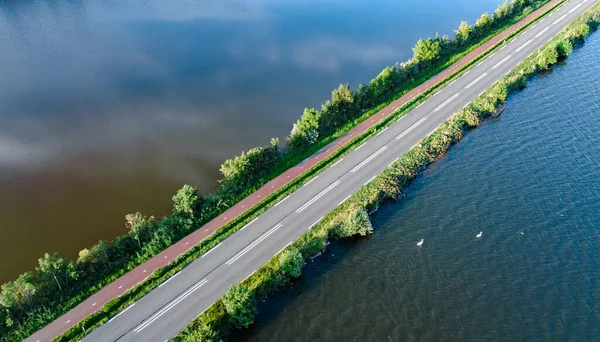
(251, 222)
(122, 312)
(363, 144)
(168, 280)
(502, 61)
(382, 131)
(249, 275)
(476, 80)
(253, 244)
(559, 19)
(311, 181)
(542, 32)
(523, 46)
(170, 306)
(212, 249)
(395, 160)
(321, 194)
(401, 135)
(451, 83)
(446, 102)
(278, 203)
(364, 162)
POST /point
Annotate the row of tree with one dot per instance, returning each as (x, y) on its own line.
(35, 298)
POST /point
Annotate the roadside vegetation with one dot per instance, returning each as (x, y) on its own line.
(36, 298)
(351, 218)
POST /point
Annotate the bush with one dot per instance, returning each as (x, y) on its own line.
(291, 262)
(241, 305)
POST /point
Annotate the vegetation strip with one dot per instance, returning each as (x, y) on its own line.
(238, 307)
(148, 237)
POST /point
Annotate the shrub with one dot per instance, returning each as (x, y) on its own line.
(241, 305)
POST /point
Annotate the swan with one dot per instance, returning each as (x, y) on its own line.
(420, 243)
(479, 235)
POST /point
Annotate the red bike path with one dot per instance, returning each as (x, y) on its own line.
(138, 274)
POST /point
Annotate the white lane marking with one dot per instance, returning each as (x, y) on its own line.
(278, 203)
(170, 306)
(483, 91)
(502, 61)
(382, 131)
(284, 247)
(344, 200)
(249, 275)
(312, 225)
(446, 102)
(476, 80)
(542, 32)
(251, 222)
(502, 48)
(395, 160)
(212, 249)
(67, 322)
(311, 180)
(364, 162)
(168, 280)
(321, 194)
(451, 83)
(337, 162)
(370, 180)
(122, 312)
(523, 46)
(420, 104)
(253, 244)
(410, 128)
(363, 144)
(559, 19)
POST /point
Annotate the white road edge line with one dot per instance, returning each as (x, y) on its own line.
(559, 19)
(542, 32)
(278, 203)
(410, 128)
(370, 180)
(382, 131)
(284, 247)
(311, 180)
(361, 145)
(344, 200)
(395, 160)
(319, 220)
(122, 312)
(168, 280)
(251, 222)
(212, 249)
(248, 276)
(446, 102)
(314, 199)
(337, 162)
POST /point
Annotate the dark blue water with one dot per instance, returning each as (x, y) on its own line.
(109, 106)
(530, 182)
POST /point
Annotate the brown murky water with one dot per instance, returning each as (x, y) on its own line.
(108, 107)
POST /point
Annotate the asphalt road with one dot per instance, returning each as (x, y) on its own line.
(169, 308)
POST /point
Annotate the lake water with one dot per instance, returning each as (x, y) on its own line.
(108, 107)
(530, 182)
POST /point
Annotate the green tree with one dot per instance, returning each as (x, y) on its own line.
(483, 24)
(57, 268)
(204, 333)
(18, 293)
(502, 11)
(356, 223)
(186, 200)
(306, 129)
(133, 222)
(426, 50)
(291, 262)
(463, 32)
(240, 304)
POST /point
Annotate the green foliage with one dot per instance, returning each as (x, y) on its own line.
(241, 305)
(306, 129)
(54, 268)
(291, 262)
(426, 51)
(464, 32)
(356, 223)
(204, 333)
(483, 24)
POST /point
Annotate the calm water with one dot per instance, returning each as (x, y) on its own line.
(109, 106)
(529, 181)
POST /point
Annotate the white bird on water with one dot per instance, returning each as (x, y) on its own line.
(420, 243)
(479, 235)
